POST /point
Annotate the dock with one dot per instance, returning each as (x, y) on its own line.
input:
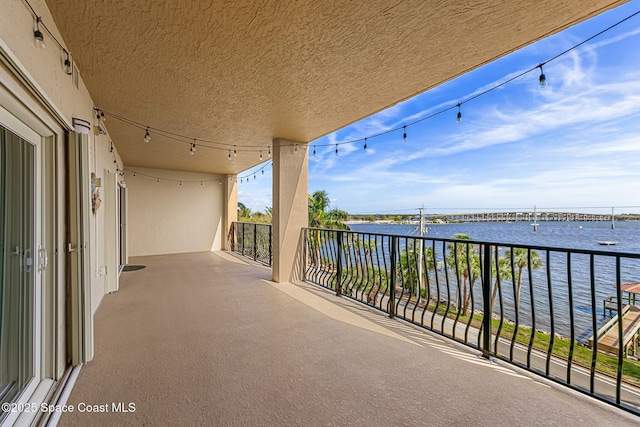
(608, 336)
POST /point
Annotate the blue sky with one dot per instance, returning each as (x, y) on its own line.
(573, 145)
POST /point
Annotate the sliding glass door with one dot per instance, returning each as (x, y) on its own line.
(19, 274)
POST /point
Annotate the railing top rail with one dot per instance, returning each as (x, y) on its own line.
(254, 223)
(501, 244)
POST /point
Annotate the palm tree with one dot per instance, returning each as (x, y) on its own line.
(522, 257)
(244, 213)
(466, 263)
(504, 268)
(412, 261)
(320, 216)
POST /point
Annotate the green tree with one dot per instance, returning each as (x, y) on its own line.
(320, 214)
(244, 213)
(504, 269)
(465, 261)
(522, 257)
(415, 264)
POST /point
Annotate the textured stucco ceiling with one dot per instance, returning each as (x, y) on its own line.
(246, 71)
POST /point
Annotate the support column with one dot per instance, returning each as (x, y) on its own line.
(230, 207)
(290, 207)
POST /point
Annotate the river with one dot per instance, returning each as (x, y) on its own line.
(571, 294)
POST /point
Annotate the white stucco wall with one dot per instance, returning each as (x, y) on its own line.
(166, 217)
(43, 68)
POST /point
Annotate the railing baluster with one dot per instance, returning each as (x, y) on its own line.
(571, 320)
(594, 324)
(620, 331)
(486, 297)
(339, 266)
(446, 277)
(392, 290)
(533, 309)
(552, 332)
(516, 298)
(499, 291)
(437, 305)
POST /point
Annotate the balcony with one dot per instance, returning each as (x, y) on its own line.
(208, 339)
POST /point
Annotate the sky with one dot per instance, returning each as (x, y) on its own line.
(573, 145)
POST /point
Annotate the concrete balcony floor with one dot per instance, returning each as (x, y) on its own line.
(206, 339)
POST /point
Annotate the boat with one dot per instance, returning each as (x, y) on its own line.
(606, 243)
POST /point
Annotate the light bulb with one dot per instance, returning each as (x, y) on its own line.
(38, 37)
(260, 154)
(404, 135)
(542, 79)
(147, 136)
(68, 69)
(459, 116)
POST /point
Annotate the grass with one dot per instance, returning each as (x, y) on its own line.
(605, 364)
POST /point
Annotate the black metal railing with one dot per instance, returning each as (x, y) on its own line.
(253, 241)
(548, 306)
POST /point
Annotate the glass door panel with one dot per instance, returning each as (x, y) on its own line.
(17, 267)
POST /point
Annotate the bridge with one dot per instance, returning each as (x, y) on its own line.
(518, 216)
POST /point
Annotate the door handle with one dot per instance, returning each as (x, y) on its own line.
(71, 248)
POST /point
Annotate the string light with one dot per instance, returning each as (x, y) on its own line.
(365, 144)
(38, 37)
(542, 79)
(147, 137)
(111, 146)
(295, 147)
(260, 154)
(220, 182)
(314, 151)
(235, 153)
(229, 157)
(180, 138)
(194, 145)
(68, 69)
(178, 181)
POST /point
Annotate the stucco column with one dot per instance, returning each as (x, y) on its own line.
(229, 207)
(290, 207)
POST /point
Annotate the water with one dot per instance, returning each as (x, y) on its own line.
(569, 276)
(572, 235)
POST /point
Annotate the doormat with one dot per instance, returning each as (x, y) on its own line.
(133, 267)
